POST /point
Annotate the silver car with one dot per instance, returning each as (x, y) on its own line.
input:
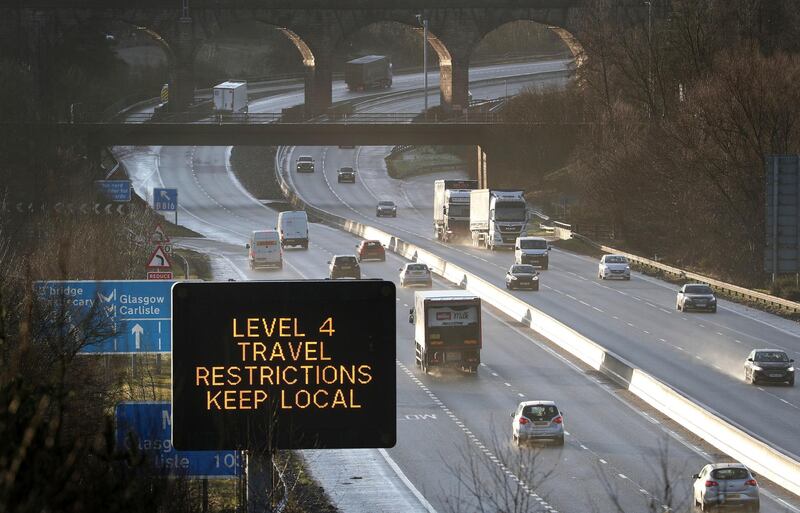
(696, 296)
(537, 420)
(614, 266)
(415, 274)
(725, 484)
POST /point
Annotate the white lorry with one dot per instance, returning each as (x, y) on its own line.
(451, 208)
(447, 329)
(230, 97)
(293, 227)
(497, 217)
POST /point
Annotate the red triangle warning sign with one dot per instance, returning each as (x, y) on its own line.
(159, 236)
(158, 260)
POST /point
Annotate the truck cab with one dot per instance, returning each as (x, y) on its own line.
(497, 217)
(532, 250)
(447, 329)
(451, 208)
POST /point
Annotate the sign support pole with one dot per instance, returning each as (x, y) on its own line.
(774, 219)
(258, 469)
(205, 495)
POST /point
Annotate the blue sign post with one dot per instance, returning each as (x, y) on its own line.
(115, 190)
(140, 312)
(150, 423)
(166, 200)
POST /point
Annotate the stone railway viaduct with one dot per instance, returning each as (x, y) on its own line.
(315, 27)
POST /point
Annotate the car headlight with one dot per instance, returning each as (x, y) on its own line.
(713, 300)
(627, 268)
(536, 277)
(757, 368)
(514, 278)
(790, 369)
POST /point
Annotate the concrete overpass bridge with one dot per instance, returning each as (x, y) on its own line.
(315, 27)
(487, 132)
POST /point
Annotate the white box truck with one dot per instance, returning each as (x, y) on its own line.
(293, 227)
(370, 71)
(447, 329)
(451, 208)
(497, 217)
(230, 97)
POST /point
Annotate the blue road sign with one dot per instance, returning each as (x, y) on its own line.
(151, 423)
(115, 190)
(139, 312)
(165, 199)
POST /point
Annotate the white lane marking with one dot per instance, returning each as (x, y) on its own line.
(474, 439)
(425, 504)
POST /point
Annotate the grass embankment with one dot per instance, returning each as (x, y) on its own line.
(421, 160)
(254, 166)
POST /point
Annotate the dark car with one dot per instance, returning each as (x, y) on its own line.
(305, 164)
(522, 276)
(769, 365)
(346, 174)
(696, 296)
(344, 266)
(386, 208)
(371, 250)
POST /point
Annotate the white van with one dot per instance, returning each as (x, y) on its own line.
(265, 249)
(532, 250)
(293, 227)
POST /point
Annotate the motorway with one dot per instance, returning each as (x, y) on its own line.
(443, 419)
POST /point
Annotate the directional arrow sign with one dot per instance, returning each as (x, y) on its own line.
(165, 199)
(137, 331)
(138, 312)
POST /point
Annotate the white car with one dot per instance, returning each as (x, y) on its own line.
(415, 274)
(614, 266)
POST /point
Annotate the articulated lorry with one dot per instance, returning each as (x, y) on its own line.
(368, 72)
(447, 329)
(497, 217)
(451, 208)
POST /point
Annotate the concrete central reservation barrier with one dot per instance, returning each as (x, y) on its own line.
(724, 434)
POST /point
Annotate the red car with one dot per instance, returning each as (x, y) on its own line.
(371, 250)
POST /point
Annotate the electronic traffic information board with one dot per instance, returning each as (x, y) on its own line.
(283, 365)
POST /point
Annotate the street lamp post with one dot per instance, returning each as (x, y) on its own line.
(424, 23)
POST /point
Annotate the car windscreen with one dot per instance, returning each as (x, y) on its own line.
(540, 412)
(523, 269)
(533, 244)
(729, 473)
(698, 289)
(386, 203)
(305, 159)
(771, 356)
(348, 260)
(346, 170)
(616, 260)
(417, 267)
(372, 244)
